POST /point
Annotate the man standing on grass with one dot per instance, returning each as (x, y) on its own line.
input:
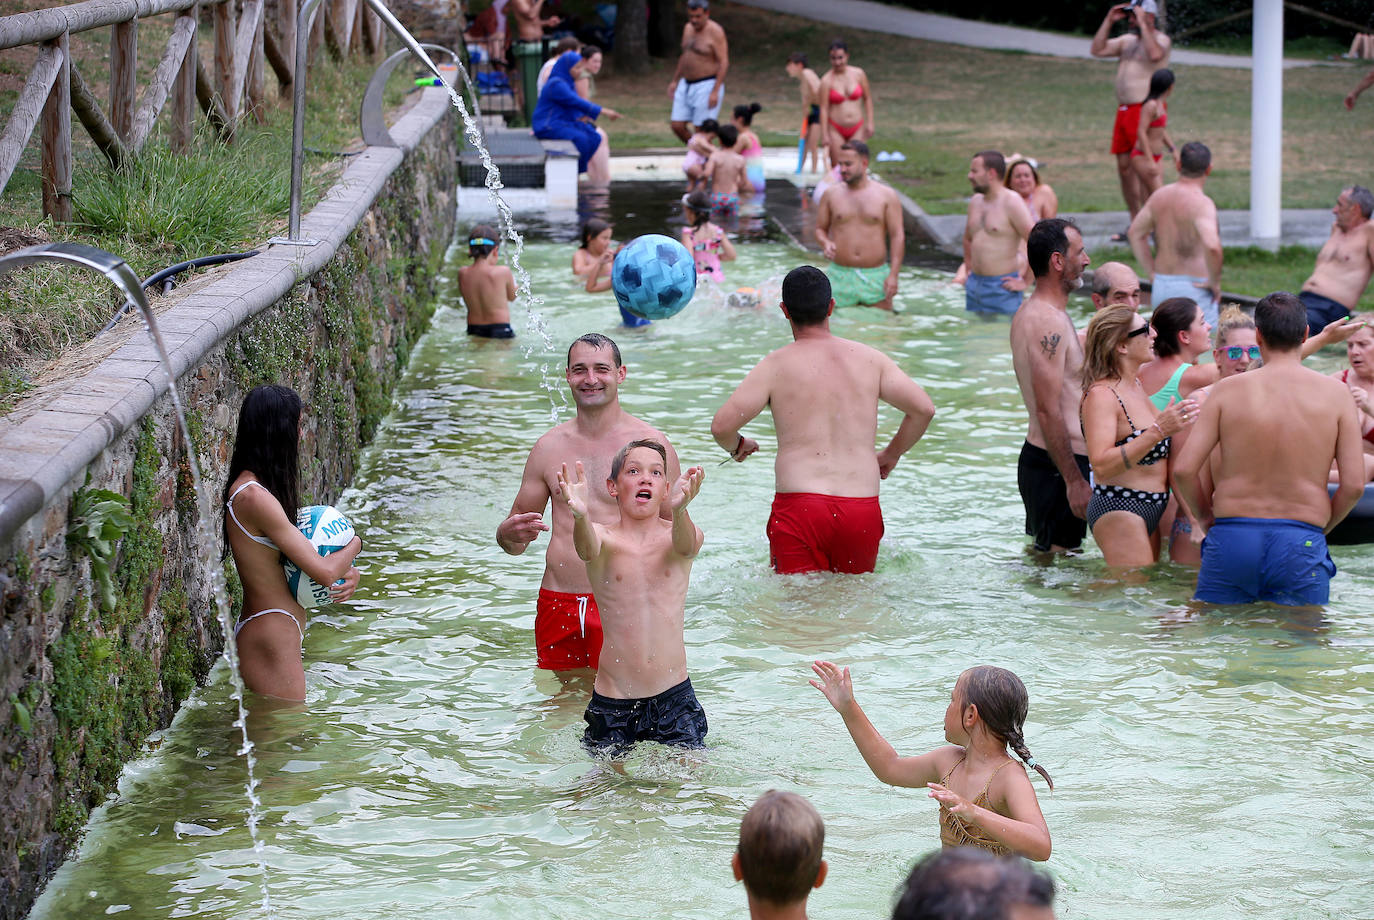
(1052, 473)
(859, 227)
(1187, 257)
(1345, 263)
(698, 83)
(1141, 51)
(998, 223)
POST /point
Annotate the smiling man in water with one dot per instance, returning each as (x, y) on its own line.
(567, 624)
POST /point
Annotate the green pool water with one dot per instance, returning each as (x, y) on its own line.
(1207, 766)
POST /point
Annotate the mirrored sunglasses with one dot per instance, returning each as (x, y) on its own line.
(1234, 352)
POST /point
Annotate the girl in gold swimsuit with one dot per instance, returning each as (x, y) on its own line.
(981, 803)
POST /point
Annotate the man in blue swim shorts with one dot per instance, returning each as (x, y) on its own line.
(1279, 429)
(1345, 263)
(1182, 221)
(997, 226)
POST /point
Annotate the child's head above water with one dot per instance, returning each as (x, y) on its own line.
(482, 240)
(744, 114)
(644, 465)
(698, 205)
(709, 126)
(1001, 702)
(728, 135)
(593, 228)
(779, 853)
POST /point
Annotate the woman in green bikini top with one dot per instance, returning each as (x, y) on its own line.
(1182, 335)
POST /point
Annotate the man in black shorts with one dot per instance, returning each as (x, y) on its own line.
(1053, 470)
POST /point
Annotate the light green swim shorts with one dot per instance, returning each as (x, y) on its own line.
(852, 286)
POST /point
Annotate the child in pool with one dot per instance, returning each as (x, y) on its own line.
(981, 804)
(700, 146)
(706, 241)
(725, 172)
(487, 286)
(639, 568)
(592, 262)
(260, 500)
(779, 855)
(750, 147)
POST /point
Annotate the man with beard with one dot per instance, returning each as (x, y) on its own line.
(567, 625)
(1052, 473)
(859, 227)
(1140, 52)
(997, 225)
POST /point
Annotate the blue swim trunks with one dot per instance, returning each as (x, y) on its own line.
(985, 294)
(1265, 559)
(1321, 310)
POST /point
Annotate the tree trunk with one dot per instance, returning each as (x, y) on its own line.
(631, 37)
(663, 28)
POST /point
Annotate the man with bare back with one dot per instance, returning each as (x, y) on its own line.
(1183, 221)
(824, 393)
(567, 624)
(698, 83)
(1345, 263)
(1052, 473)
(1141, 51)
(1279, 427)
(998, 223)
(859, 227)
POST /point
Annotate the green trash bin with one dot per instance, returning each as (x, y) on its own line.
(529, 57)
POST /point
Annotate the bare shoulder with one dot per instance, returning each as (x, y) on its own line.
(552, 441)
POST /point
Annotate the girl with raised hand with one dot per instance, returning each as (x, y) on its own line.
(260, 501)
(982, 803)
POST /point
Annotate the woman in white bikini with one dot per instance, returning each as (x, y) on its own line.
(261, 532)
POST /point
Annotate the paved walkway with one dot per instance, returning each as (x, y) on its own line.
(878, 17)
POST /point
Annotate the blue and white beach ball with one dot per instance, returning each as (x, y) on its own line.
(653, 276)
(329, 531)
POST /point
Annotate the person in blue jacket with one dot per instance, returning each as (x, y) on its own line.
(562, 114)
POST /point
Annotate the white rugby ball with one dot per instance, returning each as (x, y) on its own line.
(328, 531)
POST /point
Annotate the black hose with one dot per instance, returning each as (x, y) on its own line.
(167, 275)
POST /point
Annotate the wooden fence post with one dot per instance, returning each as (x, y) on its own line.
(123, 75)
(224, 60)
(57, 140)
(287, 11)
(184, 94)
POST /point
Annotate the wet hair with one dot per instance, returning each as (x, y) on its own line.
(1160, 81)
(482, 239)
(1193, 160)
(1232, 319)
(858, 147)
(839, 44)
(806, 295)
(969, 883)
(797, 57)
(745, 113)
(597, 341)
(267, 444)
(619, 462)
(1035, 173)
(780, 841)
(699, 203)
(728, 134)
(1362, 197)
(709, 126)
(993, 160)
(1002, 704)
(1169, 319)
(1047, 237)
(593, 228)
(1106, 330)
(1282, 319)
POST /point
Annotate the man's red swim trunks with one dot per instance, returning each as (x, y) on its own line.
(1126, 128)
(809, 532)
(567, 631)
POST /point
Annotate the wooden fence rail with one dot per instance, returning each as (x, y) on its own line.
(244, 41)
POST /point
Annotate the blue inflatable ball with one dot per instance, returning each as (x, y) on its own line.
(653, 276)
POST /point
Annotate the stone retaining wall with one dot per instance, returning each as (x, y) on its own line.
(86, 671)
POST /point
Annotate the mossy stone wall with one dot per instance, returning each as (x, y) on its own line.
(82, 684)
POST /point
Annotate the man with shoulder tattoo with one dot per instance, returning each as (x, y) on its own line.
(1052, 473)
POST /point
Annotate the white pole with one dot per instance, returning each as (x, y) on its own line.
(1266, 124)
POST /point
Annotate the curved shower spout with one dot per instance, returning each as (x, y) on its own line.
(108, 264)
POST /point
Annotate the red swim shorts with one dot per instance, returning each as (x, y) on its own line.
(567, 631)
(809, 532)
(1126, 128)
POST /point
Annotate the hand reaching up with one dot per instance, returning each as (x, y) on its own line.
(686, 488)
(574, 491)
(835, 683)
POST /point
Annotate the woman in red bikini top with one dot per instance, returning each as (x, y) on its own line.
(846, 101)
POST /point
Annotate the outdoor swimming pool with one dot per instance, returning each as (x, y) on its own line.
(1206, 767)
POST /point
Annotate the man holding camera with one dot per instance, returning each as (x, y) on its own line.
(1141, 50)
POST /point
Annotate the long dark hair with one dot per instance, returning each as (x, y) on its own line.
(1002, 704)
(1170, 318)
(268, 446)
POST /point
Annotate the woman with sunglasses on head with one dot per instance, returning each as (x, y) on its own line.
(1128, 440)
